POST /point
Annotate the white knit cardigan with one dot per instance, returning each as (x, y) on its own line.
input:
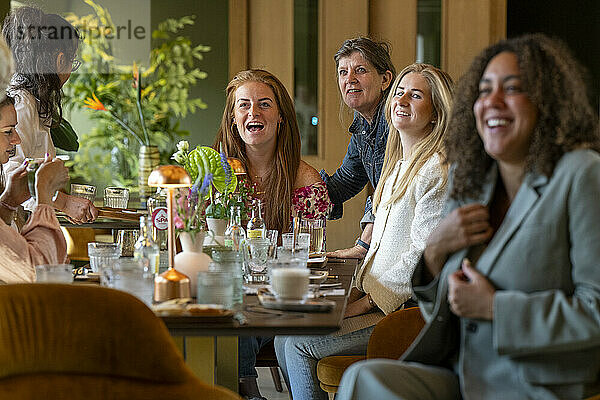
(399, 235)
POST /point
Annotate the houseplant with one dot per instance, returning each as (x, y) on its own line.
(165, 97)
(204, 160)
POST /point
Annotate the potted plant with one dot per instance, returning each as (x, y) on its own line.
(165, 96)
(203, 160)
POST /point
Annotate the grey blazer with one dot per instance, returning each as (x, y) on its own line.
(544, 260)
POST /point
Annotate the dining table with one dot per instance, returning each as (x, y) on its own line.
(210, 347)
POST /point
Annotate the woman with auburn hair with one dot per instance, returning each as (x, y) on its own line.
(408, 205)
(259, 127)
(509, 281)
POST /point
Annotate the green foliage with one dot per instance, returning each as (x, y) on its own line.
(63, 136)
(108, 154)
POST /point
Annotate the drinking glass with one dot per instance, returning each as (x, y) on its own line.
(315, 228)
(129, 276)
(54, 273)
(127, 239)
(103, 253)
(215, 287)
(116, 197)
(232, 262)
(302, 245)
(84, 191)
(272, 235)
(256, 265)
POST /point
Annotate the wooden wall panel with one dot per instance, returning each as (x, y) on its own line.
(238, 36)
(395, 21)
(271, 38)
(468, 26)
(338, 21)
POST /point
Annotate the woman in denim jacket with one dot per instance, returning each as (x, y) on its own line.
(365, 72)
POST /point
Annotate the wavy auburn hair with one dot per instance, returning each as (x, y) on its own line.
(441, 86)
(278, 185)
(554, 82)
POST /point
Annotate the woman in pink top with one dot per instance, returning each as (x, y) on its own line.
(40, 241)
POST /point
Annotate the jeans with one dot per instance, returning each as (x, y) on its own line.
(298, 357)
(248, 347)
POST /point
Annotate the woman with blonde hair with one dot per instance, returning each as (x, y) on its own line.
(408, 205)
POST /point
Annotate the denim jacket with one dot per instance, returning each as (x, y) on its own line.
(362, 163)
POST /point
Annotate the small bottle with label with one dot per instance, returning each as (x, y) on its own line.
(234, 234)
(157, 211)
(146, 251)
(256, 225)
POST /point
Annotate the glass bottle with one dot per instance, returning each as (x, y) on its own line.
(256, 225)
(146, 251)
(234, 234)
(157, 211)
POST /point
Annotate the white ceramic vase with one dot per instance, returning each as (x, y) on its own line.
(192, 260)
(217, 226)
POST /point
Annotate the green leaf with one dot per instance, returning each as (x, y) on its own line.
(64, 137)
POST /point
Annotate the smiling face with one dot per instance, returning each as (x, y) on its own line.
(256, 114)
(360, 84)
(411, 106)
(504, 114)
(8, 135)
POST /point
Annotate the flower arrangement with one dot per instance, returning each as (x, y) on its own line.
(229, 190)
(95, 104)
(190, 206)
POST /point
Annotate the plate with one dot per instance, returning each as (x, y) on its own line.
(317, 260)
(318, 276)
(267, 300)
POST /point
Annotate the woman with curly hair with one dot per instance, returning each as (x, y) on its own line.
(44, 47)
(509, 282)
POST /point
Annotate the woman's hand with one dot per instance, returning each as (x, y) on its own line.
(358, 307)
(357, 252)
(51, 176)
(463, 227)
(79, 210)
(17, 189)
(470, 294)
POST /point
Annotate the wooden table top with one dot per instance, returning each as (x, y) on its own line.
(259, 321)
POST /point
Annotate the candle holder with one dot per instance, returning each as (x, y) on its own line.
(171, 284)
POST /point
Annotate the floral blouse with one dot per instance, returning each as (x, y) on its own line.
(312, 201)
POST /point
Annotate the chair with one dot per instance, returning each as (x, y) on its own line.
(87, 342)
(390, 339)
(266, 357)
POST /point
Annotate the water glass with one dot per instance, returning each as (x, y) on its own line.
(116, 197)
(129, 276)
(127, 239)
(231, 262)
(84, 191)
(215, 287)
(103, 254)
(258, 254)
(302, 245)
(315, 228)
(54, 273)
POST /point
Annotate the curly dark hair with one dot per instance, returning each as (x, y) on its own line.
(555, 84)
(36, 39)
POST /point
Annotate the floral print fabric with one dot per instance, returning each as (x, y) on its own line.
(312, 201)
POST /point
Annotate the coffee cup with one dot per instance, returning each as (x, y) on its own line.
(290, 283)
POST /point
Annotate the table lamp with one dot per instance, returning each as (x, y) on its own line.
(171, 284)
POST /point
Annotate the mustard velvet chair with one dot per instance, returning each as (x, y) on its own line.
(89, 342)
(390, 339)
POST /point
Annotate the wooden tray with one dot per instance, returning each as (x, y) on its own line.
(123, 214)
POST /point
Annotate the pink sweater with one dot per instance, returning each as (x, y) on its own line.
(40, 242)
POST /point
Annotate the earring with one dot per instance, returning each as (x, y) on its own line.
(433, 122)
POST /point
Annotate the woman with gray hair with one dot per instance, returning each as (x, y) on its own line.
(365, 72)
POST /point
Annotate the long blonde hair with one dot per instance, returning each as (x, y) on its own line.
(278, 185)
(441, 86)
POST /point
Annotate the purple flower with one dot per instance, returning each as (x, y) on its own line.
(226, 168)
(206, 184)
